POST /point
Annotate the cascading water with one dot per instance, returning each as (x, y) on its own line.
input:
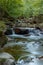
(23, 46)
(36, 48)
(34, 34)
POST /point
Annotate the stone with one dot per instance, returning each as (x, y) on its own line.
(8, 32)
(6, 59)
(3, 39)
(21, 31)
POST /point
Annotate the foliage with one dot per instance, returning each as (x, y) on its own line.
(13, 7)
(33, 7)
(26, 8)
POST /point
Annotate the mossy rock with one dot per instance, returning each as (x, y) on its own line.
(2, 25)
(3, 39)
(2, 60)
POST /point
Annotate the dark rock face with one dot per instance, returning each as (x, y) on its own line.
(8, 32)
(38, 28)
(41, 57)
(21, 31)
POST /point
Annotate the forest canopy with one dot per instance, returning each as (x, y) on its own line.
(26, 8)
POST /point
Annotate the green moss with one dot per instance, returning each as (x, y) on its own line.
(3, 39)
(2, 25)
(2, 60)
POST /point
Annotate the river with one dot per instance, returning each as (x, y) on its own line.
(26, 47)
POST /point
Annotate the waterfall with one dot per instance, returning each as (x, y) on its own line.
(12, 31)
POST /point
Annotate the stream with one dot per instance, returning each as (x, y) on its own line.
(25, 50)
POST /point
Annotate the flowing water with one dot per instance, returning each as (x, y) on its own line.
(26, 49)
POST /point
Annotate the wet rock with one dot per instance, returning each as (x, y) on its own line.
(8, 32)
(5, 55)
(9, 62)
(38, 28)
(6, 59)
(21, 31)
(40, 57)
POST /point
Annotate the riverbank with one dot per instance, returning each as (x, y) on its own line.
(35, 21)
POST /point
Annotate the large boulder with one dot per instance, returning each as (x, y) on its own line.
(21, 31)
